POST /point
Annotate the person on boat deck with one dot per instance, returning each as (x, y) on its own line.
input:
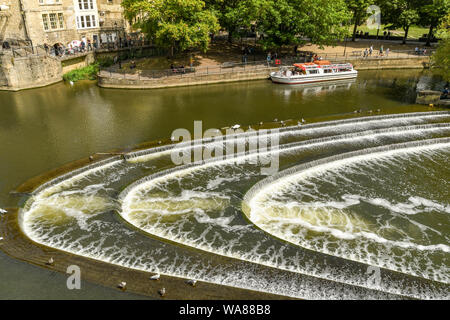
(288, 73)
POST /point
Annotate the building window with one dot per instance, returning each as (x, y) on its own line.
(86, 4)
(45, 21)
(61, 20)
(86, 21)
(53, 21)
(53, 24)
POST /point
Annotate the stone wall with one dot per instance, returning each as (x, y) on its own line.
(397, 63)
(28, 72)
(182, 80)
(11, 22)
(135, 82)
(77, 62)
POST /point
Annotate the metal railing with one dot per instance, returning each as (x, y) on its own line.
(184, 72)
(376, 55)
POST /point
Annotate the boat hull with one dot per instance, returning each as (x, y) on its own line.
(313, 78)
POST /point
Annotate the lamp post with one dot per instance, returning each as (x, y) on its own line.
(117, 33)
(345, 44)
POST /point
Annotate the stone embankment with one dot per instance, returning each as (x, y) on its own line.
(108, 79)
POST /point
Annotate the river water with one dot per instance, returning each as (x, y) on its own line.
(315, 220)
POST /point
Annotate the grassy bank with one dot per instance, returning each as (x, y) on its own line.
(86, 73)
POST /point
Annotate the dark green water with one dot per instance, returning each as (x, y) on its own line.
(44, 128)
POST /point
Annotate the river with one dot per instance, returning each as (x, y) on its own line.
(44, 128)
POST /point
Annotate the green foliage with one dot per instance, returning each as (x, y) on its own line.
(86, 73)
(440, 60)
(181, 24)
(105, 62)
(284, 22)
(358, 9)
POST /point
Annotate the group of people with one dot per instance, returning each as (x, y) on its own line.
(368, 52)
(420, 51)
(272, 57)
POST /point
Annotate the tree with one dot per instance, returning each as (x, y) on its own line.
(401, 14)
(359, 11)
(284, 22)
(432, 15)
(440, 60)
(231, 14)
(177, 24)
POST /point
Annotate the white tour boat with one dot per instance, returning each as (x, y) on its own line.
(317, 71)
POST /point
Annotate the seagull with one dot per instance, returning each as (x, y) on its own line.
(3, 210)
(50, 261)
(162, 292)
(299, 123)
(155, 277)
(122, 285)
(282, 122)
(260, 123)
(172, 139)
(303, 120)
(192, 282)
(159, 142)
(370, 111)
(378, 110)
(71, 82)
(1, 238)
(275, 120)
(249, 127)
(236, 126)
(91, 158)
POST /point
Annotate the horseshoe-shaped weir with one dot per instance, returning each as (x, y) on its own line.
(235, 226)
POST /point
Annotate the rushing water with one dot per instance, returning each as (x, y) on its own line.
(350, 195)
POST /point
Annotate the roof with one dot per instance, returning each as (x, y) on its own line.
(322, 62)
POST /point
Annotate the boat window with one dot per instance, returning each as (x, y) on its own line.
(313, 71)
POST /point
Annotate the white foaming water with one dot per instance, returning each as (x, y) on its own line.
(205, 204)
(337, 226)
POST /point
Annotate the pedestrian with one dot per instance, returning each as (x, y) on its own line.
(244, 58)
(46, 47)
(416, 50)
(89, 45)
(269, 58)
(370, 50)
(387, 52)
(381, 50)
(445, 93)
(366, 53)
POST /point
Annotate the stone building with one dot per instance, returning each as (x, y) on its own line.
(61, 21)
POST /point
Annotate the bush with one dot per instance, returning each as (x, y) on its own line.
(105, 62)
(86, 73)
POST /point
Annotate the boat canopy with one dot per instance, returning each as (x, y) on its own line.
(322, 62)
